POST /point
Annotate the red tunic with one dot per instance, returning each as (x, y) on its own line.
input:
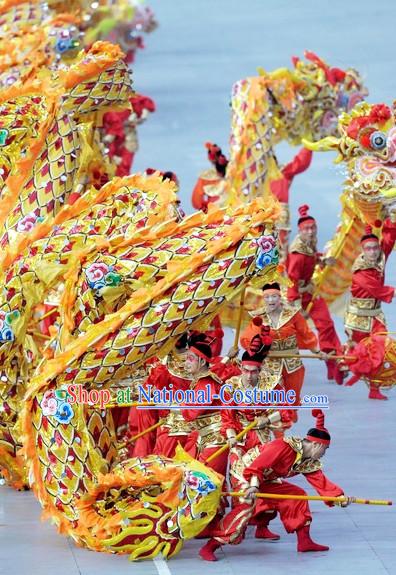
(300, 269)
(369, 283)
(207, 423)
(291, 333)
(276, 461)
(238, 419)
(295, 325)
(160, 441)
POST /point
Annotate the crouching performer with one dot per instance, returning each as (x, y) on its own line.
(275, 461)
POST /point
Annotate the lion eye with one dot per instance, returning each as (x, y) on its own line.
(378, 140)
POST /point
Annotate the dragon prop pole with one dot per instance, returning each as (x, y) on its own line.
(309, 356)
(237, 437)
(138, 435)
(239, 324)
(312, 498)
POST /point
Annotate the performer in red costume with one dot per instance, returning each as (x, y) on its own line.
(280, 459)
(364, 315)
(163, 440)
(301, 261)
(206, 421)
(210, 184)
(171, 373)
(289, 332)
(237, 418)
(280, 188)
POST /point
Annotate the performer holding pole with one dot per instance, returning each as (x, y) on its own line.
(265, 421)
(364, 315)
(289, 332)
(163, 439)
(206, 421)
(301, 262)
(277, 460)
(280, 188)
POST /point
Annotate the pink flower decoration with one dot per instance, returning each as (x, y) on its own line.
(96, 272)
(192, 481)
(27, 223)
(49, 405)
(266, 243)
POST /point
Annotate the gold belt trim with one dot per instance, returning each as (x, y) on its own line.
(289, 343)
(364, 303)
(281, 353)
(176, 424)
(361, 312)
(208, 424)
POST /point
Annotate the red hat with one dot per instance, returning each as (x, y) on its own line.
(304, 215)
(319, 433)
(218, 159)
(255, 359)
(262, 339)
(368, 233)
(199, 344)
(259, 345)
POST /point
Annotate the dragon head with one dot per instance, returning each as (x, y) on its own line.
(315, 97)
(367, 145)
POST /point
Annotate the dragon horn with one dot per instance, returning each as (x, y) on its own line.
(323, 145)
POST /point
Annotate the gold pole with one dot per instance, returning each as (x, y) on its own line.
(311, 498)
(138, 435)
(224, 447)
(239, 324)
(48, 313)
(307, 355)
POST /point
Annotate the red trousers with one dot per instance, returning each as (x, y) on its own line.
(158, 440)
(320, 315)
(295, 382)
(293, 514)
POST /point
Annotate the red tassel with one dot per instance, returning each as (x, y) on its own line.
(303, 210)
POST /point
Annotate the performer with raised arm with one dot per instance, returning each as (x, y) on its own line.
(281, 187)
(277, 460)
(289, 332)
(301, 262)
(364, 315)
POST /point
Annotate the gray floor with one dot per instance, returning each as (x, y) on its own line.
(200, 49)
